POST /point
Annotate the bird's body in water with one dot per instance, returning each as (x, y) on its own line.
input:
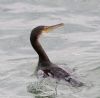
(44, 62)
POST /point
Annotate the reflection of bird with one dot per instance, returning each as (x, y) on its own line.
(44, 63)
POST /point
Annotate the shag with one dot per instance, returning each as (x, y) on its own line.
(44, 63)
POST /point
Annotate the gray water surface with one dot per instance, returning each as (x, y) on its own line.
(76, 45)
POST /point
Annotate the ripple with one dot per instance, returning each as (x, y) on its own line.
(76, 46)
(26, 7)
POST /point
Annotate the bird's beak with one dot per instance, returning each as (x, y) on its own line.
(50, 28)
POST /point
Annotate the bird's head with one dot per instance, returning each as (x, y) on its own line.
(43, 29)
(46, 29)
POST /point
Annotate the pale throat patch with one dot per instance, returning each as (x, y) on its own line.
(44, 33)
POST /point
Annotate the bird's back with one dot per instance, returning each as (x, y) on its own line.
(61, 74)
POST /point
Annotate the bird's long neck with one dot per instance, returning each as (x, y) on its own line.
(38, 48)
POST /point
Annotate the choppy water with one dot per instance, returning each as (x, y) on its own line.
(76, 45)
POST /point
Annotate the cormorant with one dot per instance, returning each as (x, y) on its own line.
(44, 63)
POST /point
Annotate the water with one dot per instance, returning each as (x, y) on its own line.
(76, 45)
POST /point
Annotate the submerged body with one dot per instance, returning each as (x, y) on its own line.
(44, 63)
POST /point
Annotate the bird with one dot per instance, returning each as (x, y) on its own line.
(44, 64)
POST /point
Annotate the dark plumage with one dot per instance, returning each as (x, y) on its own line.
(44, 63)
